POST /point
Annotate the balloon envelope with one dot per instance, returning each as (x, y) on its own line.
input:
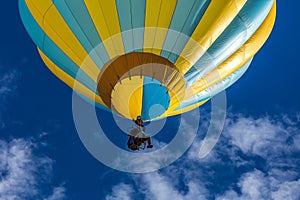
(152, 58)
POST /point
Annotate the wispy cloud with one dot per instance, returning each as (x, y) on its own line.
(257, 185)
(260, 137)
(58, 193)
(121, 192)
(256, 158)
(8, 86)
(8, 83)
(23, 174)
(160, 186)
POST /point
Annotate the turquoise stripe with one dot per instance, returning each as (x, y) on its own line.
(155, 99)
(78, 19)
(33, 29)
(235, 35)
(51, 49)
(132, 18)
(217, 88)
(187, 16)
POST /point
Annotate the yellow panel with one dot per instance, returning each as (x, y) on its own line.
(105, 17)
(239, 58)
(70, 81)
(174, 103)
(158, 17)
(127, 97)
(54, 26)
(43, 6)
(217, 17)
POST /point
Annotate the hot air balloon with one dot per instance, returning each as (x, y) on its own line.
(149, 58)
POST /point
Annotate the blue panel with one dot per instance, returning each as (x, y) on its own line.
(187, 16)
(51, 49)
(78, 19)
(132, 18)
(235, 35)
(218, 87)
(155, 99)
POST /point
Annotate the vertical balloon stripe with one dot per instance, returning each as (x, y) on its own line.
(187, 15)
(155, 99)
(77, 17)
(238, 32)
(132, 17)
(217, 17)
(185, 19)
(105, 17)
(51, 49)
(127, 97)
(136, 99)
(70, 81)
(158, 18)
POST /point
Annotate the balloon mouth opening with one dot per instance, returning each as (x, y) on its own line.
(141, 84)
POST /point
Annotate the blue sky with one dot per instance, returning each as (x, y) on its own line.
(257, 156)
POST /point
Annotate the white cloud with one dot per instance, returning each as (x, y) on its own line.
(17, 169)
(287, 190)
(255, 185)
(275, 140)
(21, 171)
(23, 175)
(255, 136)
(158, 186)
(121, 192)
(58, 193)
(8, 83)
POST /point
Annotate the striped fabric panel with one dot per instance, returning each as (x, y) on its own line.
(132, 19)
(106, 20)
(239, 58)
(158, 17)
(155, 99)
(127, 97)
(215, 20)
(185, 19)
(238, 32)
(216, 88)
(78, 19)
